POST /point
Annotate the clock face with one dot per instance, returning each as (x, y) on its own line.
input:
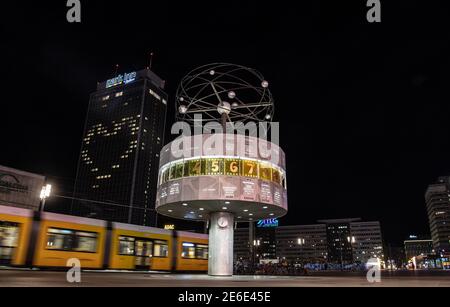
(223, 222)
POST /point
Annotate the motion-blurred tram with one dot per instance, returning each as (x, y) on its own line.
(49, 240)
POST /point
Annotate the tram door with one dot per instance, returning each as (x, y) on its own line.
(9, 238)
(144, 253)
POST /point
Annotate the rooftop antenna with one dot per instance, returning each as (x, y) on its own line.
(150, 62)
(117, 67)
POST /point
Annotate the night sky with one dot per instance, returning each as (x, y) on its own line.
(363, 108)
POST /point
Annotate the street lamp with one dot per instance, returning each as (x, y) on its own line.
(301, 242)
(351, 240)
(256, 244)
(45, 193)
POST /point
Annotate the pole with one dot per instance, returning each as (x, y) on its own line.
(150, 62)
(251, 241)
(42, 205)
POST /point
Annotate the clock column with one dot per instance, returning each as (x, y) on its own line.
(221, 231)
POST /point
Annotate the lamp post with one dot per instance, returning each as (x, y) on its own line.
(351, 240)
(45, 193)
(301, 242)
(256, 244)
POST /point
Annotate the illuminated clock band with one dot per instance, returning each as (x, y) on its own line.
(230, 166)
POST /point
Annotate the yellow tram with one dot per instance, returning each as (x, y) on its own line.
(48, 240)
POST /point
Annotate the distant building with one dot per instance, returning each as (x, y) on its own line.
(332, 241)
(242, 245)
(19, 188)
(418, 247)
(265, 243)
(302, 243)
(339, 240)
(261, 246)
(367, 241)
(437, 197)
(124, 133)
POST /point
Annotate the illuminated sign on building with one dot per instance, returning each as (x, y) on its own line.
(169, 226)
(121, 79)
(267, 223)
(9, 183)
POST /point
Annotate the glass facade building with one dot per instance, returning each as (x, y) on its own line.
(123, 136)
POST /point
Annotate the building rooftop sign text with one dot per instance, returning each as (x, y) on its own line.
(121, 79)
(267, 223)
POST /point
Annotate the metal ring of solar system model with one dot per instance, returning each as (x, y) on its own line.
(251, 188)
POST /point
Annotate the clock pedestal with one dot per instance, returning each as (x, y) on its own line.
(221, 231)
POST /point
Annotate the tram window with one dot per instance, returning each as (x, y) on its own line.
(9, 234)
(126, 245)
(194, 251)
(9, 238)
(71, 240)
(144, 248)
(201, 251)
(188, 250)
(161, 249)
(59, 239)
(86, 242)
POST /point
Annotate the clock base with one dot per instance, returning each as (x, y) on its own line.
(221, 231)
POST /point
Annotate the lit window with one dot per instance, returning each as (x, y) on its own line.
(126, 246)
(105, 97)
(71, 240)
(161, 249)
(118, 94)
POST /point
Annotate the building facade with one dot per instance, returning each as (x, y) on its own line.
(302, 243)
(418, 247)
(437, 198)
(342, 241)
(367, 241)
(339, 240)
(123, 136)
(242, 248)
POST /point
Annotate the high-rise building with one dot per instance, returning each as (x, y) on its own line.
(437, 197)
(122, 139)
